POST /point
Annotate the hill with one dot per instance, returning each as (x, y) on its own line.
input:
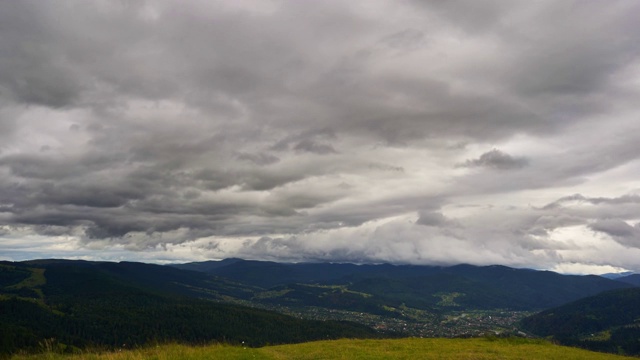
(88, 304)
(445, 349)
(633, 279)
(614, 276)
(84, 303)
(422, 287)
(609, 322)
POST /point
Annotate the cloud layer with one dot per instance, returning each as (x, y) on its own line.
(366, 131)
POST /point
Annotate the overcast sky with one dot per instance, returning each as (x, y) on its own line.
(423, 132)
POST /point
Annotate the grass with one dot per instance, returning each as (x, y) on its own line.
(36, 279)
(34, 282)
(458, 349)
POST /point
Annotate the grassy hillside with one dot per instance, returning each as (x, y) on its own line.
(458, 349)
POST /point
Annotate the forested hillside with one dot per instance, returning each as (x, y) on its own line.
(423, 287)
(606, 322)
(81, 304)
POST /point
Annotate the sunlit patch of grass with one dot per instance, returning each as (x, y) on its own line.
(433, 349)
(445, 349)
(162, 352)
(33, 282)
(448, 299)
(599, 336)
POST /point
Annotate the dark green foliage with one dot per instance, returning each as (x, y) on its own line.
(87, 304)
(327, 297)
(487, 287)
(23, 324)
(10, 275)
(633, 279)
(582, 323)
(268, 274)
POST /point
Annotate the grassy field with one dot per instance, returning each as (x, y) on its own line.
(457, 349)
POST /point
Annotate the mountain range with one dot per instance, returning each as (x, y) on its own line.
(85, 303)
(477, 287)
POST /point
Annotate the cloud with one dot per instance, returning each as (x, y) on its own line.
(327, 129)
(259, 159)
(496, 159)
(314, 147)
(434, 219)
(619, 230)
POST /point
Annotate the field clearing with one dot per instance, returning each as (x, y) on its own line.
(477, 349)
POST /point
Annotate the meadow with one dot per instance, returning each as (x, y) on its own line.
(412, 348)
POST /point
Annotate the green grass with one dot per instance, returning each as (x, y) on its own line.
(34, 282)
(458, 349)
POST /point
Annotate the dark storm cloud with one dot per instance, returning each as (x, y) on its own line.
(619, 230)
(622, 200)
(432, 219)
(33, 74)
(614, 227)
(496, 159)
(259, 159)
(566, 62)
(314, 147)
(309, 141)
(438, 220)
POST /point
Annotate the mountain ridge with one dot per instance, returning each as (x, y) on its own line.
(511, 287)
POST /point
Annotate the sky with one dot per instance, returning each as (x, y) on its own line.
(405, 132)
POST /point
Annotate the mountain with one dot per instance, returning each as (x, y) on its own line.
(422, 287)
(609, 322)
(268, 274)
(106, 304)
(87, 304)
(615, 276)
(633, 279)
(206, 266)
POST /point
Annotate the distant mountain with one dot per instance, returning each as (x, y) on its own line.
(609, 322)
(615, 276)
(206, 266)
(268, 274)
(633, 279)
(422, 287)
(88, 304)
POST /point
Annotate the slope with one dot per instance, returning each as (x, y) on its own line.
(444, 349)
(423, 287)
(83, 304)
(609, 321)
(633, 279)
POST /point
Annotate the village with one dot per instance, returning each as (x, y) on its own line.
(419, 323)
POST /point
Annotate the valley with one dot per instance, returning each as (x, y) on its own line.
(415, 322)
